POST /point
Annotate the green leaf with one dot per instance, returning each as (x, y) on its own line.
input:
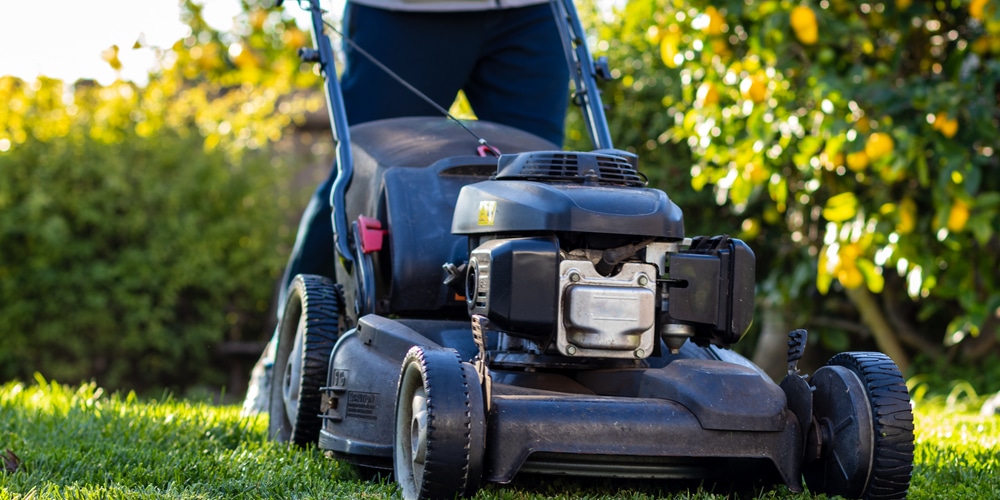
(835, 340)
(957, 330)
(873, 275)
(982, 227)
(779, 192)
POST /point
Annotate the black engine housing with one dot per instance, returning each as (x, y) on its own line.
(542, 207)
(557, 191)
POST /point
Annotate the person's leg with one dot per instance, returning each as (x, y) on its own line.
(522, 78)
(312, 254)
(433, 51)
(313, 250)
(409, 44)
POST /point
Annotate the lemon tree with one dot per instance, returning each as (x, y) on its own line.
(854, 144)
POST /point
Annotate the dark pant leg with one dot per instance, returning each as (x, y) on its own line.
(522, 78)
(435, 52)
(510, 63)
(313, 250)
(422, 49)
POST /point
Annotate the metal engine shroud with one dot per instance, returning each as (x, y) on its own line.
(527, 280)
(521, 286)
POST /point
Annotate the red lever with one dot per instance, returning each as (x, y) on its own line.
(371, 234)
(486, 149)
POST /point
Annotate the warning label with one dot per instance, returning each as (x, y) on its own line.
(487, 213)
(362, 405)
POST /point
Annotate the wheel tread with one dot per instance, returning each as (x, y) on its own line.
(446, 468)
(893, 420)
(324, 303)
(445, 454)
(321, 302)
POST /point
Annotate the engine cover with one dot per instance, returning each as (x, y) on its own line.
(606, 317)
(513, 283)
(717, 295)
(566, 192)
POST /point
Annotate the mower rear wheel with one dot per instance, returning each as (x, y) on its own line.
(864, 426)
(308, 330)
(440, 426)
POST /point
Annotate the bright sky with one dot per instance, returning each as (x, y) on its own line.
(64, 38)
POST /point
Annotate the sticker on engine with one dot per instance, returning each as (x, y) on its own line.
(487, 213)
(362, 405)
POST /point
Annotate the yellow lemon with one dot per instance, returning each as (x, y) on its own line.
(976, 8)
(245, 59)
(294, 37)
(863, 125)
(946, 125)
(754, 87)
(878, 145)
(707, 95)
(716, 23)
(257, 19)
(720, 47)
(981, 45)
(669, 50)
(850, 276)
(847, 269)
(209, 59)
(857, 161)
(803, 21)
(907, 216)
(807, 36)
(958, 216)
(757, 173)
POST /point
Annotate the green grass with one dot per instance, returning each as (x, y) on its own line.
(79, 443)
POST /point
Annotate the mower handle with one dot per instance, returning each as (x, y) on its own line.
(581, 67)
(343, 160)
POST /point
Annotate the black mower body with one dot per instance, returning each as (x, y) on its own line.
(408, 173)
(502, 307)
(693, 413)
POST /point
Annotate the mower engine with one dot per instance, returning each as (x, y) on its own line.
(571, 255)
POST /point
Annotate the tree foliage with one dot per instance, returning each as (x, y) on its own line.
(854, 143)
(141, 226)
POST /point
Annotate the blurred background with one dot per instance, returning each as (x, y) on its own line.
(154, 161)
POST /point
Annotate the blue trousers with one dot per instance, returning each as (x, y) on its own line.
(509, 63)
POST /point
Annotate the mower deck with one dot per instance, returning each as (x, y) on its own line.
(672, 416)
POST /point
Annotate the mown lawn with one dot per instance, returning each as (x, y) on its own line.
(80, 443)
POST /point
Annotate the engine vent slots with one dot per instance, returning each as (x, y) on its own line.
(585, 168)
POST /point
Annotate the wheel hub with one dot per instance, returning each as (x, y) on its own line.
(291, 383)
(418, 430)
(841, 439)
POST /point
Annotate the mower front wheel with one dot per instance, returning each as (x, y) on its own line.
(308, 330)
(862, 432)
(440, 426)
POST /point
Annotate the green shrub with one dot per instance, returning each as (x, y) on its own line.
(128, 251)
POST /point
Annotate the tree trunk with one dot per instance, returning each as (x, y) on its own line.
(771, 352)
(884, 335)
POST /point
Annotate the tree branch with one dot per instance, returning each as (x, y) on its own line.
(905, 331)
(840, 324)
(872, 316)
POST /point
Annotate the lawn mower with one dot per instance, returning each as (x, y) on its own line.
(543, 311)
